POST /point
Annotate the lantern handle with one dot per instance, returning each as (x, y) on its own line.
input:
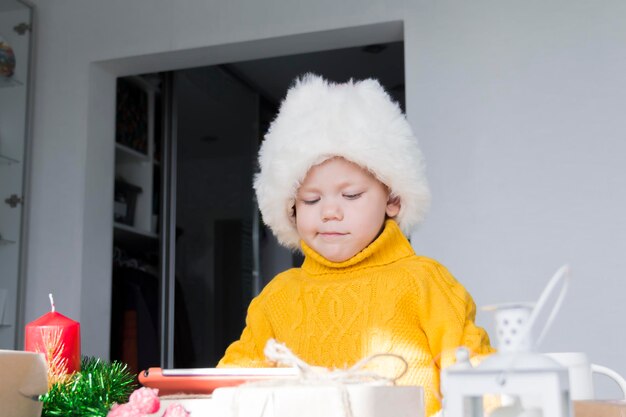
(562, 274)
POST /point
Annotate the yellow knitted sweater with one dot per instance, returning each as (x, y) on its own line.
(384, 299)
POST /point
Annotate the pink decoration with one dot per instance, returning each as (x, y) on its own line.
(124, 411)
(145, 401)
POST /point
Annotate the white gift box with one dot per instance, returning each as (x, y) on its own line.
(23, 378)
(327, 400)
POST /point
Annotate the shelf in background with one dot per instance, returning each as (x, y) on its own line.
(9, 82)
(6, 242)
(128, 235)
(124, 154)
(8, 160)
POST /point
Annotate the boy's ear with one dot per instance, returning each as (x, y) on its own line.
(393, 206)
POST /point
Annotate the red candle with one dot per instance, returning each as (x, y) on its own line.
(58, 338)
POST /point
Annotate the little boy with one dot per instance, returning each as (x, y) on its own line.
(341, 179)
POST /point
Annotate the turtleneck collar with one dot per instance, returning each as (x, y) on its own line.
(390, 246)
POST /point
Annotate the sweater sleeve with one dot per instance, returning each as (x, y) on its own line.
(247, 352)
(447, 313)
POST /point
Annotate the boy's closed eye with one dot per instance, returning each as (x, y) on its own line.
(309, 201)
(352, 196)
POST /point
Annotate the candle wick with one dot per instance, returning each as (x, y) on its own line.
(51, 302)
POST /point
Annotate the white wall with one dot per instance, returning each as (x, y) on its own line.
(520, 109)
(517, 104)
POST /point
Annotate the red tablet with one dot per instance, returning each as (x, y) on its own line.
(205, 380)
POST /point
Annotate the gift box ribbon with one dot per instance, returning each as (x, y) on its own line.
(317, 376)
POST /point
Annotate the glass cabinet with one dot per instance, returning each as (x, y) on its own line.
(15, 57)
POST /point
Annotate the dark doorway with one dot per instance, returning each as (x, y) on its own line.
(223, 253)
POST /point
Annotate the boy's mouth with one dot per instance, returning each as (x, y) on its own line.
(331, 234)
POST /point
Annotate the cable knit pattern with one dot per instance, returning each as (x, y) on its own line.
(384, 299)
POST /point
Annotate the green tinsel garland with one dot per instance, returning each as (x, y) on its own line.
(90, 392)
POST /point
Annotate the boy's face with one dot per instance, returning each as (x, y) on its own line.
(341, 208)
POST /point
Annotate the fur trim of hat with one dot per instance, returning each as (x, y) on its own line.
(356, 120)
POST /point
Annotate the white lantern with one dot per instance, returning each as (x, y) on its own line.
(517, 381)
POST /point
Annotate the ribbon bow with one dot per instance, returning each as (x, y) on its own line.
(356, 374)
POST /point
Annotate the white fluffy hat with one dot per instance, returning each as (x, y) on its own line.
(356, 120)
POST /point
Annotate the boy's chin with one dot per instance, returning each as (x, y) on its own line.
(337, 256)
(338, 259)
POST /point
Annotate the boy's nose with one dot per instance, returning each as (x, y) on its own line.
(331, 211)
